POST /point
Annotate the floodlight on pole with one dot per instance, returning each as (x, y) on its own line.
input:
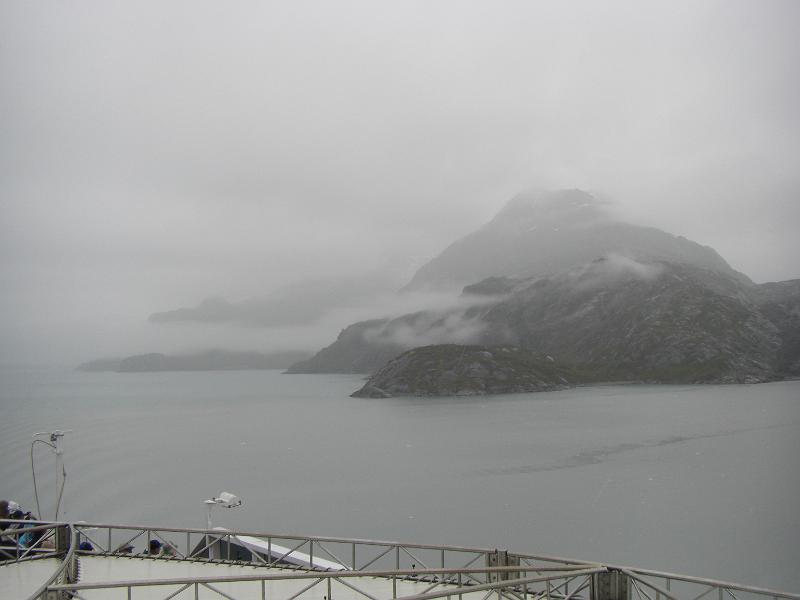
(225, 499)
(61, 474)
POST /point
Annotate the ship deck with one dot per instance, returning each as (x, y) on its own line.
(116, 570)
(88, 562)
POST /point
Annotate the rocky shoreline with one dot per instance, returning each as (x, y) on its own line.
(457, 370)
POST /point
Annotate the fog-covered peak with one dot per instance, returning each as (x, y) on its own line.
(567, 207)
(540, 233)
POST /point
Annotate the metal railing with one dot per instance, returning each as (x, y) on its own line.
(648, 584)
(655, 585)
(14, 536)
(67, 571)
(406, 571)
(27, 540)
(435, 570)
(282, 550)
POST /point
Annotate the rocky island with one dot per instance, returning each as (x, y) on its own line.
(555, 274)
(457, 370)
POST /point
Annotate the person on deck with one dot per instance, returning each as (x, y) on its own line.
(4, 514)
(154, 548)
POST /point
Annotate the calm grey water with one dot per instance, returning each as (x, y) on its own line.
(698, 480)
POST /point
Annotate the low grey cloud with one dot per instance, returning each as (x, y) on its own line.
(439, 320)
(156, 154)
(613, 266)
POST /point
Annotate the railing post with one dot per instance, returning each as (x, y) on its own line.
(492, 560)
(501, 558)
(611, 585)
(69, 575)
(62, 539)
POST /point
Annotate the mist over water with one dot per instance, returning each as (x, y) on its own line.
(700, 480)
(177, 177)
(271, 145)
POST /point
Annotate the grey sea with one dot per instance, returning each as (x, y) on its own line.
(702, 480)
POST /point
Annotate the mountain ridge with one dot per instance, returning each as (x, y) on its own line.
(541, 233)
(209, 360)
(614, 319)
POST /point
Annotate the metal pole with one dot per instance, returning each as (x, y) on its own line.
(209, 504)
(55, 439)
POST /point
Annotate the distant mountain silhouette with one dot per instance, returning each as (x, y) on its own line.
(209, 360)
(295, 304)
(541, 233)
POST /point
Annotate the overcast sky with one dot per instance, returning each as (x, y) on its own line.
(156, 153)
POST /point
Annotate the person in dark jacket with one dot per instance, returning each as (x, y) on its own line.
(4, 541)
(154, 549)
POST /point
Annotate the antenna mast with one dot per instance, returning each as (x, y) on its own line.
(61, 474)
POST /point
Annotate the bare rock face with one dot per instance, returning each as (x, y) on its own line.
(455, 370)
(655, 322)
(780, 303)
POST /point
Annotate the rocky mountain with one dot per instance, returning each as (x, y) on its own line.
(456, 370)
(657, 321)
(210, 360)
(555, 273)
(612, 319)
(354, 351)
(780, 303)
(542, 233)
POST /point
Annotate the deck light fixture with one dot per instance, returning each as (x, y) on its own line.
(225, 499)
